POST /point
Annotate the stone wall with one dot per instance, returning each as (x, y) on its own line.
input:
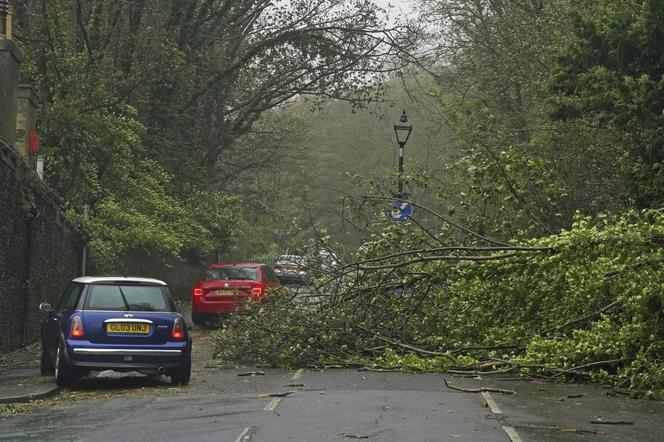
(38, 250)
(179, 275)
(40, 253)
(10, 59)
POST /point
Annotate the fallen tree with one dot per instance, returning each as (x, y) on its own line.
(585, 304)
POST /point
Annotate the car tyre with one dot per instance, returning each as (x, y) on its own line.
(65, 374)
(182, 374)
(45, 365)
(199, 318)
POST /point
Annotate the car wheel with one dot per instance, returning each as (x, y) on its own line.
(45, 365)
(182, 374)
(64, 373)
(198, 318)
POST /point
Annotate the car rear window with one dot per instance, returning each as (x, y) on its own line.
(146, 298)
(242, 273)
(71, 297)
(291, 259)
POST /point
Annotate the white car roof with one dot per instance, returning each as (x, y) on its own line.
(128, 279)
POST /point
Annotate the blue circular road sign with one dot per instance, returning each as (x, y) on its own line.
(400, 211)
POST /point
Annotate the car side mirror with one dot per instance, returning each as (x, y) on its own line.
(46, 307)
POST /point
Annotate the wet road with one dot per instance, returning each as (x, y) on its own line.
(332, 404)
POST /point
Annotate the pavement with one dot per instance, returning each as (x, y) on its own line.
(20, 379)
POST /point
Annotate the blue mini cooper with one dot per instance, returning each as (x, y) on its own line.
(115, 323)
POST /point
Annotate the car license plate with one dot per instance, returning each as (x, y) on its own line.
(223, 292)
(137, 328)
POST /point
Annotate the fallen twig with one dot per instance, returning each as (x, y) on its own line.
(284, 394)
(517, 366)
(479, 390)
(477, 372)
(252, 373)
(359, 436)
(561, 429)
(477, 369)
(484, 347)
(485, 364)
(616, 391)
(560, 327)
(387, 370)
(410, 347)
(602, 422)
(598, 363)
(567, 371)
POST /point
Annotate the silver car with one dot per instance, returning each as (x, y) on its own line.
(292, 269)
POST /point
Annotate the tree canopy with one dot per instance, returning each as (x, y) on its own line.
(150, 105)
(612, 72)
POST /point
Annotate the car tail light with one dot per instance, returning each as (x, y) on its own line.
(76, 331)
(178, 329)
(257, 291)
(198, 292)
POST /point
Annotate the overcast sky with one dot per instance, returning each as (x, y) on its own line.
(399, 6)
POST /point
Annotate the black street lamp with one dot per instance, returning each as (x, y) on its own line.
(402, 128)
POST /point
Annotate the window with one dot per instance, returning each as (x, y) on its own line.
(128, 298)
(106, 297)
(270, 275)
(216, 274)
(69, 300)
(291, 260)
(241, 273)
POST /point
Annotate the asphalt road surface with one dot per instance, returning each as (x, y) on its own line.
(325, 405)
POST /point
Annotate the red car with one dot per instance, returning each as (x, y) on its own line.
(225, 287)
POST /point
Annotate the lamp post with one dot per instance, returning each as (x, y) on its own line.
(402, 129)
